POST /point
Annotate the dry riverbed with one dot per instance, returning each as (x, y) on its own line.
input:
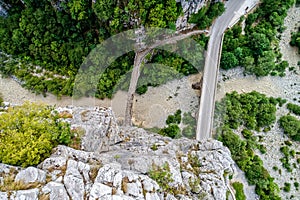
(287, 87)
(150, 109)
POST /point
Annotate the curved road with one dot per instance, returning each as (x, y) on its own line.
(211, 68)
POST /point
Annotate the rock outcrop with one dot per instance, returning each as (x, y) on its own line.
(125, 163)
(189, 7)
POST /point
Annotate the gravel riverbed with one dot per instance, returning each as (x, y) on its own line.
(287, 87)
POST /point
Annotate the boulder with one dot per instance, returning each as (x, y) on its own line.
(31, 194)
(73, 181)
(99, 191)
(31, 175)
(56, 191)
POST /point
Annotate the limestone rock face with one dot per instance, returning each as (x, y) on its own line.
(129, 169)
(56, 191)
(189, 7)
(31, 175)
(31, 194)
(74, 181)
(99, 124)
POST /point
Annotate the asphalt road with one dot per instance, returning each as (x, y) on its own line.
(211, 68)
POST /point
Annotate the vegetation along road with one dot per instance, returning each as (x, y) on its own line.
(211, 68)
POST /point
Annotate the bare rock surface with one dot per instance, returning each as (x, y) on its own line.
(31, 175)
(31, 194)
(56, 191)
(128, 163)
(189, 7)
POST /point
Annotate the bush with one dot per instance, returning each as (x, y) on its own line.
(287, 187)
(293, 108)
(142, 90)
(255, 52)
(174, 119)
(29, 132)
(189, 132)
(295, 39)
(171, 131)
(205, 16)
(246, 133)
(296, 184)
(253, 110)
(162, 176)
(291, 126)
(239, 191)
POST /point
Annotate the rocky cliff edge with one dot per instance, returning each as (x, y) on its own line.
(117, 163)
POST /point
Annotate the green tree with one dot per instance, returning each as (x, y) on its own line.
(228, 60)
(259, 43)
(171, 131)
(291, 126)
(293, 108)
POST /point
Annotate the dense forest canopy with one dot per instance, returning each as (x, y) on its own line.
(57, 35)
(257, 48)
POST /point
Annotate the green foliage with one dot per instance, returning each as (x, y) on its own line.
(174, 119)
(162, 176)
(257, 50)
(188, 119)
(205, 16)
(175, 62)
(171, 131)
(252, 165)
(287, 187)
(228, 60)
(1, 98)
(154, 147)
(189, 132)
(57, 36)
(246, 133)
(239, 191)
(296, 184)
(286, 159)
(253, 110)
(293, 108)
(295, 40)
(28, 134)
(291, 126)
(142, 89)
(201, 39)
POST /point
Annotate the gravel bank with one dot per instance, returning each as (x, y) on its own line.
(150, 109)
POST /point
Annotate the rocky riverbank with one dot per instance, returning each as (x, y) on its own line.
(287, 87)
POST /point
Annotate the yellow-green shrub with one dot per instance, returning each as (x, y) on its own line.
(29, 132)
